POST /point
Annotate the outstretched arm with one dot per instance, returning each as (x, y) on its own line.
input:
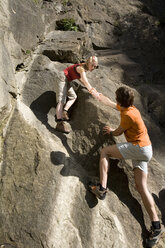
(83, 79)
(107, 101)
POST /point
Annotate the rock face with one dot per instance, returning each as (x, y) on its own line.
(43, 173)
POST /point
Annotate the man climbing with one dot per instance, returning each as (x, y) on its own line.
(66, 95)
(138, 148)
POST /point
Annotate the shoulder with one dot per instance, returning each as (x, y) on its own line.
(127, 115)
(118, 107)
(134, 112)
(80, 69)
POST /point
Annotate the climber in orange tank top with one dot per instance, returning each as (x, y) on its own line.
(65, 93)
(138, 148)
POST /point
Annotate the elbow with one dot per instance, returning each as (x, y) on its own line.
(116, 133)
(120, 133)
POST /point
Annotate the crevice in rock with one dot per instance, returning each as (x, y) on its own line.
(61, 56)
(95, 47)
(29, 234)
(14, 95)
(19, 66)
(36, 162)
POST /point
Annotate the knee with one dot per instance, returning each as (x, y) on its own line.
(103, 152)
(73, 98)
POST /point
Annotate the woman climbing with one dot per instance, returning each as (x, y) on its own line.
(65, 93)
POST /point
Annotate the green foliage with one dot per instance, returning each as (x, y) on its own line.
(67, 25)
(36, 1)
(157, 23)
(28, 51)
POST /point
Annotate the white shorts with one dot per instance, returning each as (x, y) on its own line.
(64, 89)
(140, 156)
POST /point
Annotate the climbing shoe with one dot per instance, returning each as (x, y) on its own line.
(95, 189)
(65, 115)
(154, 236)
(62, 127)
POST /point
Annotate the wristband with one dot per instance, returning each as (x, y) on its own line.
(92, 89)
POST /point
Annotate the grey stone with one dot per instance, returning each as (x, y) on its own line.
(43, 173)
(66, 46)
(26, 23)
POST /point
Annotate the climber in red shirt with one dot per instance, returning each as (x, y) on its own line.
(65, 90)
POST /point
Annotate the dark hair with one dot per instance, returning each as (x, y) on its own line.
(125, 96)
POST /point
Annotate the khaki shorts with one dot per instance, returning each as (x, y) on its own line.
(140, 156)
(64, 89)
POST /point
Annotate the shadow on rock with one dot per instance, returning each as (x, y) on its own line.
(160, 203)
(42, 105)
(118, 184)
(79, 165)
(72, 168)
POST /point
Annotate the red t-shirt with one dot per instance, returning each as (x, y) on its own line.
(71, 73)
(135, 129)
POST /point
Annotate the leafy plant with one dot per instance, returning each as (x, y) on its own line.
(36, 1)
(28, 51)
(157, 23)
(67, 25)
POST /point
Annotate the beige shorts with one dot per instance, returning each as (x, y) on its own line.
(64, 89)
(140, 156)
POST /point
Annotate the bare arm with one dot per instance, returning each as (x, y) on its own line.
(83, 78)
(115, 132)
(107, 101)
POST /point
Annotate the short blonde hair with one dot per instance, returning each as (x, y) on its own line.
(92, 60)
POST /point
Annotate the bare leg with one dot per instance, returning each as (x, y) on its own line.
(109, 151)
(69, 104)
(141, 185)
(59, 110)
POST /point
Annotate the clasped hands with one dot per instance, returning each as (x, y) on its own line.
(95, 93)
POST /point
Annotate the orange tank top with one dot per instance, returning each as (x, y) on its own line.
(135, 129)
